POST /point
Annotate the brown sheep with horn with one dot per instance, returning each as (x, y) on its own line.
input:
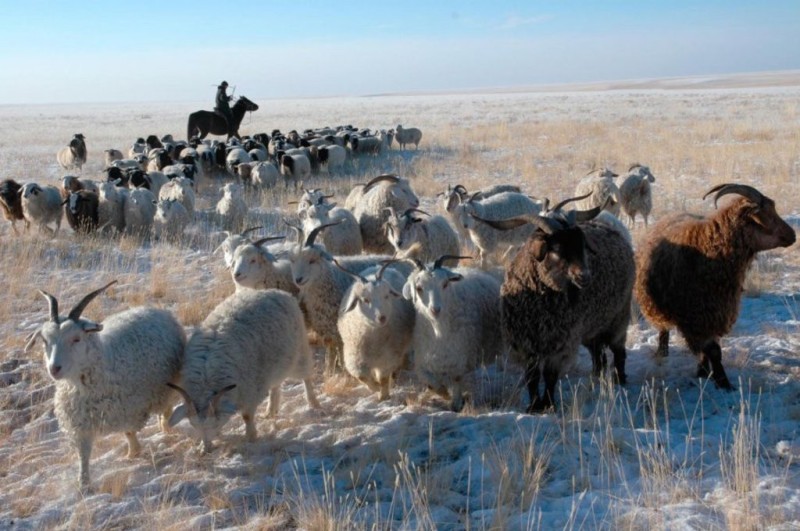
(569, 285)
(690, 271)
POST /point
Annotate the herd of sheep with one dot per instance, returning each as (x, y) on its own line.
(379, 283)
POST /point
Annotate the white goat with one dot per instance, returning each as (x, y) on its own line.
(110, 376)
(243, 350)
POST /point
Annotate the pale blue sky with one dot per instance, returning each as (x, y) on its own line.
(98, 51)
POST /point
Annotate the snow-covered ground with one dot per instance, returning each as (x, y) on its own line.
(665, 451)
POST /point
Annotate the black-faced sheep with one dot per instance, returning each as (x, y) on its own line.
(569, 285)
(81, 210)
(690, 271)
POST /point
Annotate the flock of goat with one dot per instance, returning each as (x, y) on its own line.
(377, 282)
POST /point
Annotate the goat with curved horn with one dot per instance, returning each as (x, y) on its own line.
(262, 241)
(437, 264)
(380, 178)
(312, 236)
(53, 303)
(351, 273)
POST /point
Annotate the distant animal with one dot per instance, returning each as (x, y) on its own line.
(203, 123)
(73, 156)
(601, 190)
(636, 193)
(404, 136)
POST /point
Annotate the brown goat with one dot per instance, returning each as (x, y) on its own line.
(11, 202)
(691, 269)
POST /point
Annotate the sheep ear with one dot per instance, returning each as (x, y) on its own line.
(90, 326)
(455, 277)
(31, 340)
(539, 249)
(178, 414)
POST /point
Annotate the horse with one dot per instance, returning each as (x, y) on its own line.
(201, 123)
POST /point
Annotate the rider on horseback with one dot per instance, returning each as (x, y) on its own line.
(222, 106)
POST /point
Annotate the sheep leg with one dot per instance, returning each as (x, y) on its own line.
(384, 380)
(663, 344)
(84, 444)
(599, 361)
(457, 394)
(274, 401)
(333, 360)
(712, 355)
(311, 397)
(619, 363)
(550, 374)
(532, 375)
(248, 417)
(134, 448)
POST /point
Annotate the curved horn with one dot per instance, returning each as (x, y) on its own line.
(560, 205)
(547, 224)
(313, 234)
(190, 409)
(329, 196)
(76, 312)
(592, 171)
(387, 177)
(437, 264)
(473, 196)
(410, 210)
(741, 189)
(297, 229)
(250, 229)
(459, 189)
(258, 243)
(384, 265)
(53, 302)
(216, 397)
(633, 166)
(580, 216)
(354, 275)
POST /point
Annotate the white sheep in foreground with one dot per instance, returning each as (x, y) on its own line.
(157, 180)
(376, 325)
(255, 267)
(457, 325)
(170, 219)
(343, 236)
(231, 209)
(636, 193)
(322, 286)
(404, 136)
(242, 352)
(140, 210)
(370, 204)
(425, 239)
(180, 189)
(602, 189)
(488, 240)
(42, 205)
(110, 376)
(111, 207)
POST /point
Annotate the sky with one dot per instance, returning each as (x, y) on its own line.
(101, 51)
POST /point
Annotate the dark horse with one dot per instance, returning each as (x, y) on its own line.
(201, 123)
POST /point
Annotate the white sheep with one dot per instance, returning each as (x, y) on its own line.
(636, 194)
(140, 209)
(137, 162)
(457, 325)
(111, 207)
(343, 236)
(602, 190)
(371, 202)
(234, 157)
(157, 180)
(311, 196)
(322, 286)
(295, 168)
(110, 376)
(264, 175)
(137, 148)
(73, 156)
(111, 154)
(42, 205)
(170, 220)
(488, 240)
(242, 352)
(231, 209)
(376, 325)
(180, 189)
(231, 242)
(332, 158)
(255, 267)
(422, 238)
(404, 136)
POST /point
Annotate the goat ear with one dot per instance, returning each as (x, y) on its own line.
(455, 277)
(31, 340)
(90, 326)
(349, 303)
(539, 249)
(408, 291)
(178, 414)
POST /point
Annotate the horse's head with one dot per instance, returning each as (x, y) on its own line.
(247, 104)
